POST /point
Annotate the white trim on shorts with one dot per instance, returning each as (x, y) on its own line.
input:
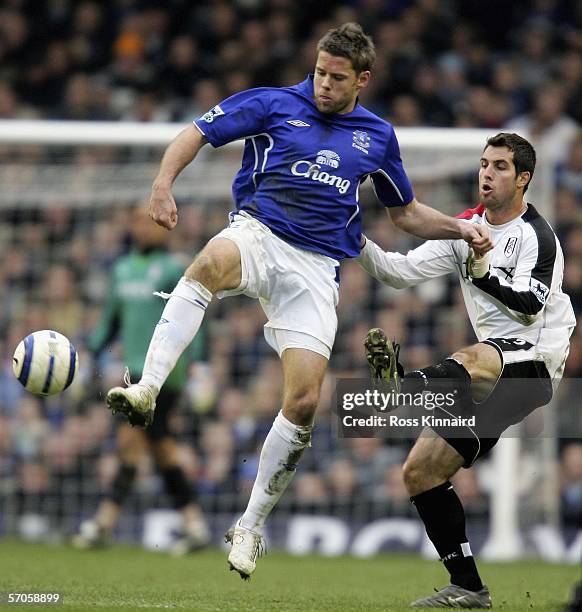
(282, 339)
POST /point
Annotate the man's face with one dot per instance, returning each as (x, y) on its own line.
(336, 84)
(498, 182)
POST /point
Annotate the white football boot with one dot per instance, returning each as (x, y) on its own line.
(137, 402)
(247, 547)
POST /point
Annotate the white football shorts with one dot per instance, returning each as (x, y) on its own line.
(297, 289)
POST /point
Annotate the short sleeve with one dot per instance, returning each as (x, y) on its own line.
(390, 182)
(239, 116)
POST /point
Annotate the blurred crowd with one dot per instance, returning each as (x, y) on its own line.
(440, 63)
(57, 454)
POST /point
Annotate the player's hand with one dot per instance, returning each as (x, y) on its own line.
(477, 264)
(477, 236)
(163, 209)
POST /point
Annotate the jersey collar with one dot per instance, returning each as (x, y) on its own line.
(508, 223)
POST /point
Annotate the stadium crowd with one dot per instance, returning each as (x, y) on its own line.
(439, 63)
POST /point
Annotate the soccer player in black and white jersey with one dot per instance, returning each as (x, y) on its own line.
(523, 322)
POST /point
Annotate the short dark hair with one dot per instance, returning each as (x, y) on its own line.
(524, 155)
(349, 40)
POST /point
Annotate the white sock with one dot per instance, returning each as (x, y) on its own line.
(282, 449)
(175, 330)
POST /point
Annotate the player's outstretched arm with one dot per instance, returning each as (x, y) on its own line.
(429, 260)
(426, 222)
(180, 152)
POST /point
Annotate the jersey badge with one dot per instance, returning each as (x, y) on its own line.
(211, 115)
(510, 246)
(539, 290)
(361, 141)
(298, 123)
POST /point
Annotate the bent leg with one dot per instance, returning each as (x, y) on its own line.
(217, 267)
(303, 373)
(483, 363)
(473, 369)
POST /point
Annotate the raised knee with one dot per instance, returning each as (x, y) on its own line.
(205, 269)
(468, 357)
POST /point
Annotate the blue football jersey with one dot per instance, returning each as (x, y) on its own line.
(302, 169)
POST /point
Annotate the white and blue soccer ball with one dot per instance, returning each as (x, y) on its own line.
(45, 362)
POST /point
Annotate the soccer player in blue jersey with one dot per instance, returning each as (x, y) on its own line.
(307, 150)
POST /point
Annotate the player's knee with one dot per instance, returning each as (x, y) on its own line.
(300, 407)
(205, 269)
(413, 475)
(421, 474)
(481, 361)
(469, 357)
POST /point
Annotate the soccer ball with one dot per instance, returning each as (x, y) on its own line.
(45, 362)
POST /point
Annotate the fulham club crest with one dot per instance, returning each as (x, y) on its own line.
(510, 246)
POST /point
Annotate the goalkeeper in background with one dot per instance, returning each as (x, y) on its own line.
(130, 312)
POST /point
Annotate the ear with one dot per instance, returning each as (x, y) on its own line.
(363, 79)
(523, 179)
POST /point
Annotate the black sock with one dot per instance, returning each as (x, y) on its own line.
(448, 375)
(444, 518)
(122, 483)
(177, 486)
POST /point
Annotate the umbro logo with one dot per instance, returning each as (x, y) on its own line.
(298, 123)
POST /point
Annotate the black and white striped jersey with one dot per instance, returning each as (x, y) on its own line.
(521, 296)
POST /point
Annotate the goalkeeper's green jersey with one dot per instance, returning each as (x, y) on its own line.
(132, 311)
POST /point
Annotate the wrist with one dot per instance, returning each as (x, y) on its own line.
(162, 184)
(477, 266)
(461, 226)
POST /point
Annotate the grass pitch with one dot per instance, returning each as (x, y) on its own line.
(129, 579)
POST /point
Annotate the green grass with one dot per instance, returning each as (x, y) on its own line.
(127, 579)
